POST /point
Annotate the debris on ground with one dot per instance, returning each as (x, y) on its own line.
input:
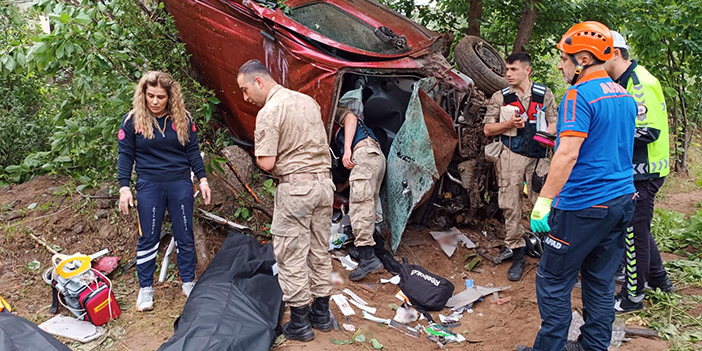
(406, 314)
(347, 262)
(451, 320)
(501, 301)
(449, 239)
(394, 280)
(371, 310)
(471, 295)
(71, 328)
(355, 297)
(343, 304)
(442, 335)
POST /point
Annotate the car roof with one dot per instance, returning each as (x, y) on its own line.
(367, 13)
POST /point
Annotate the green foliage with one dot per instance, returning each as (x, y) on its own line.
(243, 213)
(667, 39)
(669, 315)
(688, 271)
(268, 188)
(91, 61)
(673, 233)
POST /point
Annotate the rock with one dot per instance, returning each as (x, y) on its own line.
(53, 190)
(104, 191)
(106, 231)
(12, 215)
(101, 214)
(105, 203)
(78, 229)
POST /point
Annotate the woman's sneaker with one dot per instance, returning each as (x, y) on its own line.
(145, 300)
(187, 288)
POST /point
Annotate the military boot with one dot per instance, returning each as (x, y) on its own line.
(517, 268)
(298, 328)
(320, 318)
(367, 263)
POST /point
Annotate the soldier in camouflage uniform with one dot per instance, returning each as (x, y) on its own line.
(291, 143)
(519, 152)
(361, 154)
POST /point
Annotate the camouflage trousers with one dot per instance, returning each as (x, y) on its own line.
(513, 170)
(364, 181)
(301, 232)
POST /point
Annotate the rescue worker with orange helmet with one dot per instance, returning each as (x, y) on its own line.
(588, 199)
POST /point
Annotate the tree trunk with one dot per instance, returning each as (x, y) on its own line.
(526, 26)
(475, 17)
(683, 134)
(203, 256)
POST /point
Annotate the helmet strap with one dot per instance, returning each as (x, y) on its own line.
(578, 69)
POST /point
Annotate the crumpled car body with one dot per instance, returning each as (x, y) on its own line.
(412, 96)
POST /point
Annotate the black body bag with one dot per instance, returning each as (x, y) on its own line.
(425, 290)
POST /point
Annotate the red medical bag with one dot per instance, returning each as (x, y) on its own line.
(99, 302)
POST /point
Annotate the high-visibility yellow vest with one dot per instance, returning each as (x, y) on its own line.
(651, 146)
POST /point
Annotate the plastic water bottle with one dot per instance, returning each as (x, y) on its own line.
(618, 333)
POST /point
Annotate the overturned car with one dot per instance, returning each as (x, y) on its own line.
(427, 115)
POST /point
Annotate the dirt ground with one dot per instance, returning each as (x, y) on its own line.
(70, 222)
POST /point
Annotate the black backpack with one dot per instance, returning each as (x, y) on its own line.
(426, 291)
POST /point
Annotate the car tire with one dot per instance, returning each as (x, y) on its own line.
(482, 63)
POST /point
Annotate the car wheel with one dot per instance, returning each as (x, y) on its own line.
(482, 63)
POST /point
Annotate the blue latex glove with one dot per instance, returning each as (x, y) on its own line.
(539, 216)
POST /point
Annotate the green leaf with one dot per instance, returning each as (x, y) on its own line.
(63, 159)
(360, 338)
(39, 47)
(339, 342)
(32, 206)
(268, 183)
(65, 18)
(10, 64)
(34, 265)
(376, 345)
(213, 100)
(21, 59)
(83, 18)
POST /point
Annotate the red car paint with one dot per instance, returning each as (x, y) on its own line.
(221, 35)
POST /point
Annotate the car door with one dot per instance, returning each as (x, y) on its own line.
(420, 153)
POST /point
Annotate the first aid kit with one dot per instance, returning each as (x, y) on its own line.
(84, 291)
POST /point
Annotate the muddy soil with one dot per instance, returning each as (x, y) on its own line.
(72, 223)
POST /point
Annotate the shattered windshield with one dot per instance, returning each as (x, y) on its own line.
(336, 24)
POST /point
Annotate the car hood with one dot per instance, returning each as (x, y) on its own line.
(359, 27)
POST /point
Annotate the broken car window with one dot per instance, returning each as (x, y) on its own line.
(336, 24)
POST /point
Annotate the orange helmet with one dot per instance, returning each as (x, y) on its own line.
(590, 36)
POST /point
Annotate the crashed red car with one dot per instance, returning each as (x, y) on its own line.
(425, 112)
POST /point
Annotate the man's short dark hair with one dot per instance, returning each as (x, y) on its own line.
(520, 56)
(625, 53)
(254, 68)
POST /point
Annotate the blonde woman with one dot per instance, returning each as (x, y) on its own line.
(160, 137)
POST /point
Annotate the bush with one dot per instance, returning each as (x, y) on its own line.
(93, 57)
(673, 233)
(23, 103)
